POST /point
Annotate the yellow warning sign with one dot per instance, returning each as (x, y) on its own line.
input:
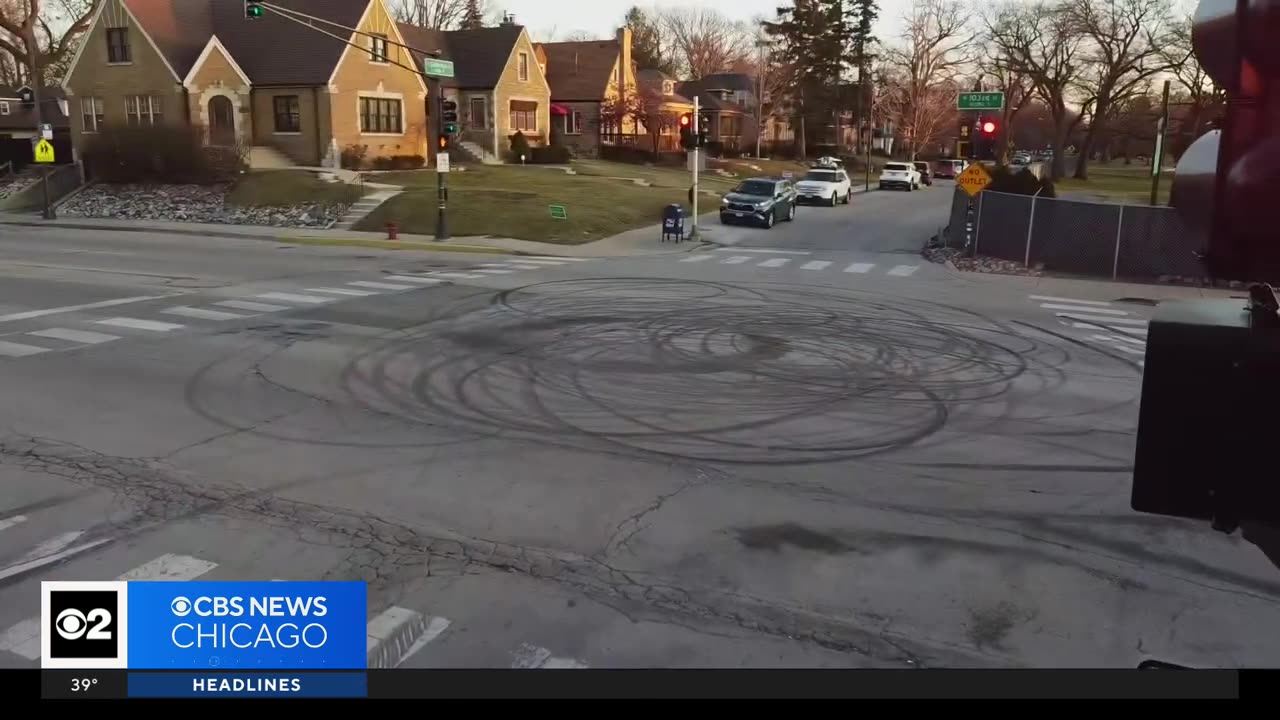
(44, 151)
(974, 179)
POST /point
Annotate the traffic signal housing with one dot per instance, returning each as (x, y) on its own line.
(252, 10)
(704, 128)
(688, 140)
(448, 117)
(988, 128)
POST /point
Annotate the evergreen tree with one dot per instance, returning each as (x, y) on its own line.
(861, 16)
(814, 36)
(472, 18)
(646, 42)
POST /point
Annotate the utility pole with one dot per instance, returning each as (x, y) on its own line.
(760, 44)
(1162, 129)
(697, 118)
(868, 100)
(33, 72)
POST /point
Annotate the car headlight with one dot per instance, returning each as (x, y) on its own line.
(724, 201)
(763, 204)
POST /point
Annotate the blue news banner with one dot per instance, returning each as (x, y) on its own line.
(212, 639)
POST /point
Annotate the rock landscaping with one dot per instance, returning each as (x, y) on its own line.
(12, 185)
(980, 263)
(191, 203)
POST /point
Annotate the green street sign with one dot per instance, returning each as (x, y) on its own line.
(980, 101)
(558, 212)
(437, 68)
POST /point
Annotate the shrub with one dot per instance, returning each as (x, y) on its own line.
(520, 146)
(553, 155)
(1023, 182)
(407, 162)
(352, 157)
(165, 153)
(382, 163)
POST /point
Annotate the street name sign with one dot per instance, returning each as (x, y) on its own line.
(44, 151)
(434, 67)
(974, 179)
(980, 101)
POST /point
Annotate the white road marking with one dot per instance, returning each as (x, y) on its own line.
(567, 259)
(48, 552)
(1077, 308)
(903, 270)
(542, 262)
(1099, 319)
(415, 279)
(766, 251)
(139, 324)
(1127, 349)
(397, 633)
(12, 349)
(202, 314)
(815, 265)
(736, 260)
(697, 258)
(529, 657)
(522, 266)
(80, 336)
(775, 262)
(465, 276)
(343, 291)
(23, 638)
(556, 663)
(1092, 326)
(87, 306)
(9, 522)
(380, 285)
(246, 305)
(1117, 338)
(294, 298)
(1050, 298)
(860, 267)
(493, 271)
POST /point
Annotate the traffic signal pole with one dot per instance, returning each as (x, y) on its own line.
(442, 185)
(697, 117)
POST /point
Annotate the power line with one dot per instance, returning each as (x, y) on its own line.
(289, 14)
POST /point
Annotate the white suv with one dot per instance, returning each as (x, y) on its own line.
(899, 175)
(824, 185)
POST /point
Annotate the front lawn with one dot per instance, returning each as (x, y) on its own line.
(1116, 182)
(514, 202)
(279, 188)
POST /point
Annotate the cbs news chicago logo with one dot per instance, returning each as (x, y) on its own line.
(84, 625)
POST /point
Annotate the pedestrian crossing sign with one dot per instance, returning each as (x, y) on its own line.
(44, 151)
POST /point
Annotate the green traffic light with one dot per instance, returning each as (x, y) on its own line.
(451, 128)
(255, 11)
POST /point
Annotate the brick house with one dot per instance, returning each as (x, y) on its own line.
(585, 78)
(498, 84)
(268, 82)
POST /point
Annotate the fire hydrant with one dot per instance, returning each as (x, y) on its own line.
(392, 231)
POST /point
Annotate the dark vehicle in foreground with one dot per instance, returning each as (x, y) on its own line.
(926, 173)
(759, 200)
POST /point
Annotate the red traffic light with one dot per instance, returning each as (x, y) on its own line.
(988, 127)
(685, 120)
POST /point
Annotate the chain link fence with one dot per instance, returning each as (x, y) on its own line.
(1076, 237)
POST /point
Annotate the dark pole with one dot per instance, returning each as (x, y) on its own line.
(442, 189)
(1158, 156)
(33, 70)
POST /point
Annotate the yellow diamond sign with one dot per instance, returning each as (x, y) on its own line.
(44, 151)
(974, 179)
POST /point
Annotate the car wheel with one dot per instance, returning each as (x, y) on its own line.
(791, 213)
(833, 200)
(847, 197)
(769, 219)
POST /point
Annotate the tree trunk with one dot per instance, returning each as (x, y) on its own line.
(801, 153)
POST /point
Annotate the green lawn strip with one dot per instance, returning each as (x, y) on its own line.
(1129, 183)
(276, 188)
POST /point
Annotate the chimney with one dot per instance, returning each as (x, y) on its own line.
(508, 19)
(624, 58)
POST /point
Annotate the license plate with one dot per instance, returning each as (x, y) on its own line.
(809, 197)
(740, 214)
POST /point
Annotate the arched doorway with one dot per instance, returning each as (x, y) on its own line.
(222, 121)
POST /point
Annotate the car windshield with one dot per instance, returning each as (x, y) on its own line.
(895, 166)
(821, 176)
(755, 187)
(922, 166)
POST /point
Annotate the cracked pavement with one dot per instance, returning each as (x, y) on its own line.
(634, 463)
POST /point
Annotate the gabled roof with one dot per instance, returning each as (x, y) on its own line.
(479, 56)
(20, 118)
(707, 100)
(728, 81)
(271, 50)
(652, 79)
(580, 70)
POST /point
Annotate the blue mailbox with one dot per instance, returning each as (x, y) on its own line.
(673, 223)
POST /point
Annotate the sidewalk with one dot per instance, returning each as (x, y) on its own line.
(640, 241)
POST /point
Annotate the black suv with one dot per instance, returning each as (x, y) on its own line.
(760, 200)
(926, 173)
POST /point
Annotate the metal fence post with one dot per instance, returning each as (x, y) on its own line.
(1115, 264)
(977, 226)
(1031, 223)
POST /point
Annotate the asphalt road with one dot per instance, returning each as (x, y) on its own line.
(624, 462)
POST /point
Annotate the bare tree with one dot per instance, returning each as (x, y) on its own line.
(1042, 42)
(1202, 94)
(27, 32)
(705, 42)
(923, 69)
(434, 14)
(1123, 51)
(1018, 92)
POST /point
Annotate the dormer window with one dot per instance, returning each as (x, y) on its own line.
(668, 87)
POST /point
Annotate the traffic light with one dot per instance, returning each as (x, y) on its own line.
(988, 128)
(687, 139)
(252, 10)
(444, 143)
(704, 128)
(448, 117)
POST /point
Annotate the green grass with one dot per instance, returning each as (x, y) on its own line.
(388, 245)
(273, 188)
(1117, 182)
(511, 201)
(671, 177)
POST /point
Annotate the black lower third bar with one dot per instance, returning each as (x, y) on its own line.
(88, 684)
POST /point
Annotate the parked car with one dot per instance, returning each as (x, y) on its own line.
(926, 175)
(824, 186)
(899, 175)
(949, 168)
(760, 200)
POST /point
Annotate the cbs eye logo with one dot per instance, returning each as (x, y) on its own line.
(83, 624)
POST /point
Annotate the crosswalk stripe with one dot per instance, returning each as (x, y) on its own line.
(697, 258)
(774, 262)
(903, 270)
(246, 305)
(1101, 319)
(494, 271)
(859, 267)
(556, 663)
(343, 291)
(397, 633)
(542, 262)
(1131, 351)
(522, 266)
(14, 521)
(736, 260)
(1120, 338)
(465, 276)
(568, 259)
(139, 324)
(380, 285)
(23, 638)
(1050, 298)
(295, 298)
(81, 336)
(815, 265)
(1077, 308)
(765, 251)
(202, 314)
(13, 349)
(414, 279)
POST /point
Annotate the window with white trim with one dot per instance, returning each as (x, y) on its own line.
(91, 114)
(524, 116)
(573, 123)
(142, 110)
(378, 48)
(524, 67)
(4, 108)
(381, 115)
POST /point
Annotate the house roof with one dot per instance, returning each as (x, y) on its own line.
(580, 70)
(728, 81)
(479, 56)
(20, 118)
(707, 100)
(653, 79)
(271, 50)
